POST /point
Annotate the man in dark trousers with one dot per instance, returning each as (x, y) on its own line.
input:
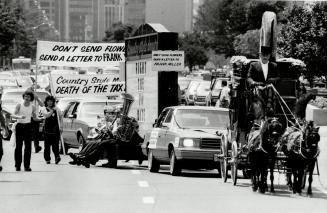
(261, 74)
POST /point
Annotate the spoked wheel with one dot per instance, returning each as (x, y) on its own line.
(175, 168)
(234, 163)
(153, 164)
(223, 161)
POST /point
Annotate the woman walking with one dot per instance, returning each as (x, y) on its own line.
(24, 112)
(52, 129)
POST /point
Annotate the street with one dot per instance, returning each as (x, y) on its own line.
(132, 188)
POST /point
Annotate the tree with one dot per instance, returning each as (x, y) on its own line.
(194, 45)
(304, 36)
(223, 20)
(119, 32)
(247, 44)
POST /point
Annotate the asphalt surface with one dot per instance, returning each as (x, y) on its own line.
(132, 188)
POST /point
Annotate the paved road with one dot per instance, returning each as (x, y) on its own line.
(130, 188)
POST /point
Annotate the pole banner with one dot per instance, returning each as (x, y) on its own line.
(86, 85)
(69, 54)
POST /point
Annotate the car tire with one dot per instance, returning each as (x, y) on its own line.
(153, 164)
(175, 168)
(112, 163)
(81, 141)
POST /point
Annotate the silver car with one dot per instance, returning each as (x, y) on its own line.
(80, 117)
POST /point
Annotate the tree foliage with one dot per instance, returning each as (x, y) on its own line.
(194, 45)
(223, 20)
(15, 38)
(304, 36)
(247, 44)
(119, 32)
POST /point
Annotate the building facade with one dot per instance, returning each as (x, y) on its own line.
(175, 15)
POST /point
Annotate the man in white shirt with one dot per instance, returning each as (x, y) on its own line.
(224, 97)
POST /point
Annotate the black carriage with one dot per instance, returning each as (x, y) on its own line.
(234, 155)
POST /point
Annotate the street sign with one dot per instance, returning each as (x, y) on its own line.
(168, 60)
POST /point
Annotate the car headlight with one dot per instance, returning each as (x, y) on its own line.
(188, 142)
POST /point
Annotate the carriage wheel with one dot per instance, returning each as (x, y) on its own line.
(223, 162)
(234, 163)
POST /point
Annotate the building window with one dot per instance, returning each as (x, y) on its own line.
(141, 99)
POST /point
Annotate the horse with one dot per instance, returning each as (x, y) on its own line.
(301, 148)
(262, 147)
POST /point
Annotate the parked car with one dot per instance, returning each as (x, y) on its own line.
(11, 97)
(183, 83)
(190, 92)
(80, 117)
(201, 93)
(186, 137)
(214, 92)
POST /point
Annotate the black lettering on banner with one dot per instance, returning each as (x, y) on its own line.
(100, 88)
(86, 89)
(116, 88)
(115, 79)
(64, 48)
(115, 49)
(48, 57)
(91, 48)
(62, 58)
(98, 58)
(67, 90)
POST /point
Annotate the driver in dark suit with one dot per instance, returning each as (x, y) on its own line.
(261, 74)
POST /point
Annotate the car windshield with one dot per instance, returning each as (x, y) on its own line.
(201, 118)
(93, 109)
(183, 83)
(204, 86)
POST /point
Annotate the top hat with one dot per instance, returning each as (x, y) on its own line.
(265, 49)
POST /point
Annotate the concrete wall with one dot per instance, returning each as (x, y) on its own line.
(319, 116)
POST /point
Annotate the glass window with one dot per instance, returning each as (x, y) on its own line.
(169, 116)
(203, 119)
(161, 118)
(69, 110)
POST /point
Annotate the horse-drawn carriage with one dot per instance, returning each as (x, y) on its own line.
(259, 142)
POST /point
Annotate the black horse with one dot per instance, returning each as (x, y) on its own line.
(263, 144)
(301, 148)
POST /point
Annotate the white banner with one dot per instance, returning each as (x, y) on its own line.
(69, 54)
(86, 85)
(167, 60)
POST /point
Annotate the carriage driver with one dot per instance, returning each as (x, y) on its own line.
(260, 75)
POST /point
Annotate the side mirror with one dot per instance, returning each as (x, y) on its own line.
(72, 116)
(155, 123)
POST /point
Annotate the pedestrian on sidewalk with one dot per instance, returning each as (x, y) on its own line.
(24, 112)
(52, 129)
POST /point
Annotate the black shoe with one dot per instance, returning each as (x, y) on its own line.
(0, 168)
(58, 159)
(38, 149)
(48, 162)
(28, 169)
(17, 169)
(72, 156)
(86, 164)
(72, 162)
